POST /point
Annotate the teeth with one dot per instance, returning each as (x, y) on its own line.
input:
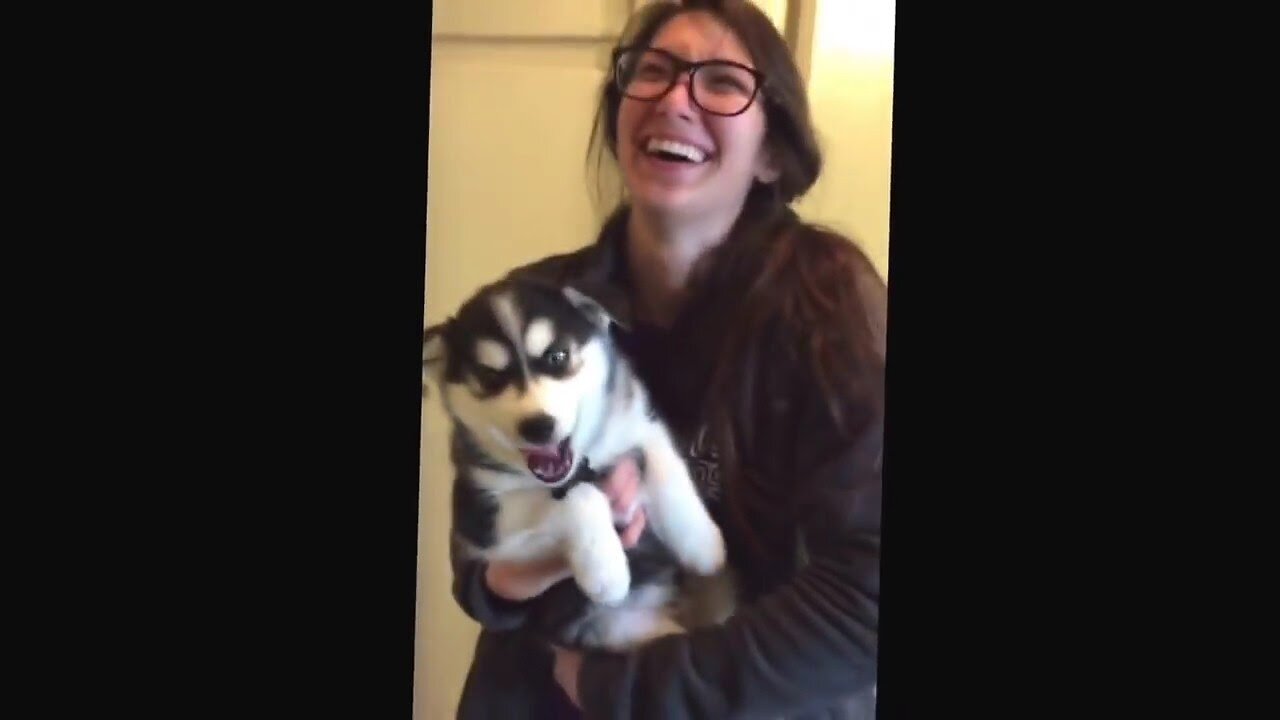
(688, 152)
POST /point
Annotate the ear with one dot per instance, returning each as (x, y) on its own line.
(589, 307)
(434, 354)
(766, 169)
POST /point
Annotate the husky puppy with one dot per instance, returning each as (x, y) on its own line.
(541, 403)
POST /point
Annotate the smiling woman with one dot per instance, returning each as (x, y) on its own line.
(759, 334)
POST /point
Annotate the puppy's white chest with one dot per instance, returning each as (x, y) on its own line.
(527, 525)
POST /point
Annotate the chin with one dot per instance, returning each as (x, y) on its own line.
(674, 201)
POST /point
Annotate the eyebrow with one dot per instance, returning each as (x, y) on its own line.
(717, 58)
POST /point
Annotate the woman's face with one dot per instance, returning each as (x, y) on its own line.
(723, 155)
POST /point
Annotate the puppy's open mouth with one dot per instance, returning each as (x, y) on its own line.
(550, 464)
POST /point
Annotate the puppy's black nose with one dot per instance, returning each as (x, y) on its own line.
(537, 429)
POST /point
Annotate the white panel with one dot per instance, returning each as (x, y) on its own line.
(775, 9)
(851, 92)
(508, 181)
(529, 18)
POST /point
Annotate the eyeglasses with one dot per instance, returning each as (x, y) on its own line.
(721, 87)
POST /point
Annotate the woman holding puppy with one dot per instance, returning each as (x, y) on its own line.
(761, 339)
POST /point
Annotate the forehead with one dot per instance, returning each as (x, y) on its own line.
(514, 315)
(700, 36)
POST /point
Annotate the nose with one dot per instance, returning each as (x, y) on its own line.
(537, 429)
(677, 100)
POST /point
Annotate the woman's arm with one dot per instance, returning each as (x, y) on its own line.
(481, 601)
(811, 643)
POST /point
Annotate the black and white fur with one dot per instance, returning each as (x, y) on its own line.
(541, 402)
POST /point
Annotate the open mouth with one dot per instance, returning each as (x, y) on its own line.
(549, 464)
(674, 151)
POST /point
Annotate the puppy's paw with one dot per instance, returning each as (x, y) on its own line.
(602, 572)
(628, 629)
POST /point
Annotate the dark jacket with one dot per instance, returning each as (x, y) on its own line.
(803, 643)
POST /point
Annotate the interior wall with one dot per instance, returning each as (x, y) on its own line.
(851, 92)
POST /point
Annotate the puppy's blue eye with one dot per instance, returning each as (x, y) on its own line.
(556, 359)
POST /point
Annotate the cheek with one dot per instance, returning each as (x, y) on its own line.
(740, 140)
(628, 120)
(631, 113)
(500, 412)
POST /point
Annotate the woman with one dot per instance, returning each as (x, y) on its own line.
(762, 341)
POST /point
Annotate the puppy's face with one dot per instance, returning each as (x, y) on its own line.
(516, 367)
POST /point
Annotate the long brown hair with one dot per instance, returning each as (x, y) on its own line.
(779, 295)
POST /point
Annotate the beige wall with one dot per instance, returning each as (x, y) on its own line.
(512, 83)
(851, 89)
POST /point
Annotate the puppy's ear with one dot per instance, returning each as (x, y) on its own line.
(434, 354)
(589, 307)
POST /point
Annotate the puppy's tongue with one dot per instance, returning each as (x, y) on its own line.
(549, 464)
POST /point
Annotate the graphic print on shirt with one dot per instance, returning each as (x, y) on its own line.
(704, 466)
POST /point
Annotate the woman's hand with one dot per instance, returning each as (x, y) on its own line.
(518, 582)
(623, 490)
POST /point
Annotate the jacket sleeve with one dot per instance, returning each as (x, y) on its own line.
(809, 644)
(475, 598)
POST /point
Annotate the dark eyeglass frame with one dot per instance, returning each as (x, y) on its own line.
(680, 66)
